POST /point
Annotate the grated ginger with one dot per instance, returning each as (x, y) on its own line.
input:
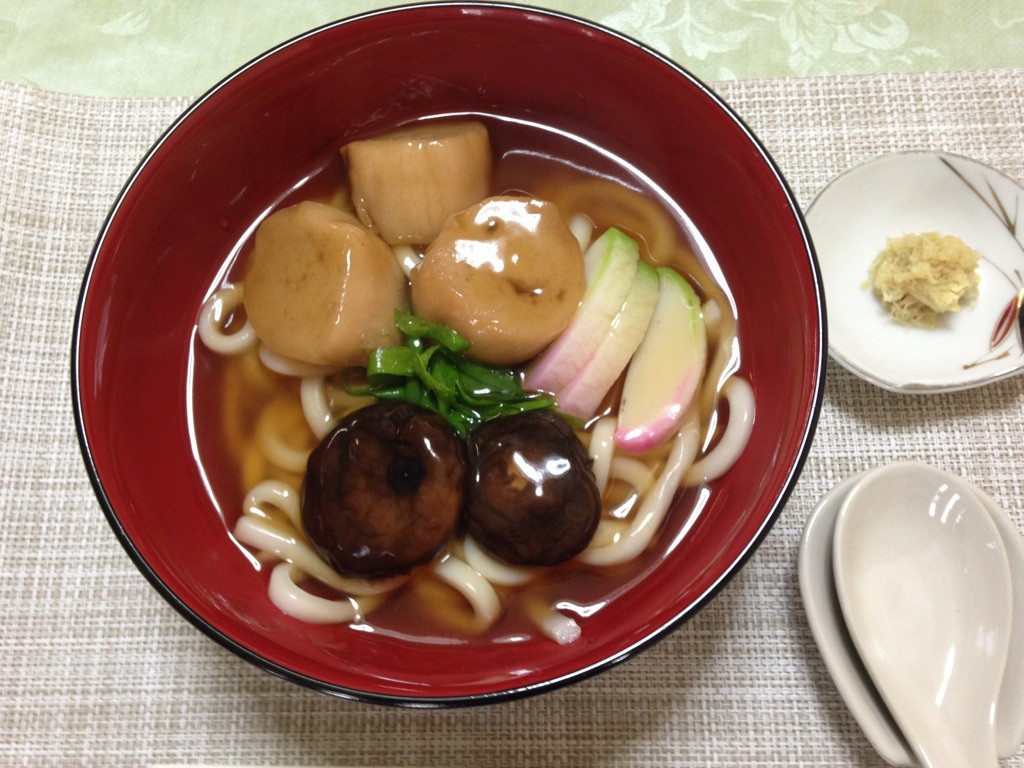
(918, 277)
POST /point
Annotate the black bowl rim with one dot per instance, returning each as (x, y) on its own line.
(514, 692)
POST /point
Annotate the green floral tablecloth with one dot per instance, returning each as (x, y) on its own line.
(180, 48)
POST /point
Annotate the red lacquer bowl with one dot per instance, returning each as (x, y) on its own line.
(247, 144)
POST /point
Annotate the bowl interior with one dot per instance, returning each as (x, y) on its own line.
(250, 143)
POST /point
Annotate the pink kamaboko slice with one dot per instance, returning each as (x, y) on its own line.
(584, 393)
(666, 369)
(610, 266)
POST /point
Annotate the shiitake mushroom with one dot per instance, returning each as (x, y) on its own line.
(532, 498)
(384, 490)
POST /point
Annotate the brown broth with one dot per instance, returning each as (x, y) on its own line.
(529, 160)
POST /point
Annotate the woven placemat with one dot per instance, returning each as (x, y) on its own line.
(96, 669)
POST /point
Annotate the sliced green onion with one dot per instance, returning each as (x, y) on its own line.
(417, 328)
(430, 371)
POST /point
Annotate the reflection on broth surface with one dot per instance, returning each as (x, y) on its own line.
(273, 410)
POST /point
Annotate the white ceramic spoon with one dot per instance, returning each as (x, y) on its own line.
(825, 618)
(1010, 709)
(924, 584)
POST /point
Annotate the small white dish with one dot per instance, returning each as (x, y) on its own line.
(924, 584)
(854, 684)
(922, 191)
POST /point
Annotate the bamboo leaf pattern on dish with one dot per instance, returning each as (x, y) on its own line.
(1011, 319)
(995, 204)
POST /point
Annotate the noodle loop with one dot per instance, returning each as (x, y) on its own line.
(740, 396)
(315, 407)
(654, 505)
(494, 571)
(213, 318)
(471, 585)
(276, 449)
(276, 494)
(293, 600)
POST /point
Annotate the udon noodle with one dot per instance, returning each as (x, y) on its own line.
(297, 404)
